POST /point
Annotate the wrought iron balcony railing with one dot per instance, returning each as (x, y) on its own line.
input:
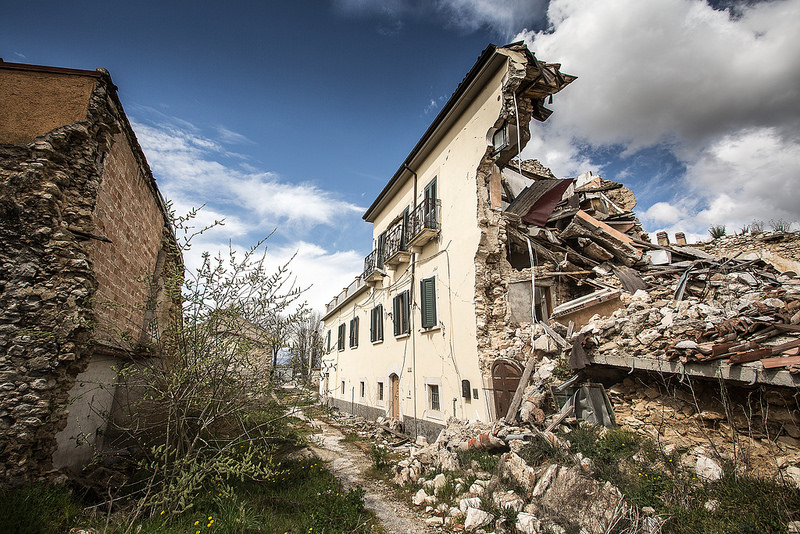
(423, 222)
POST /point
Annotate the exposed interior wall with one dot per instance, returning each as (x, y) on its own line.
(35, 103)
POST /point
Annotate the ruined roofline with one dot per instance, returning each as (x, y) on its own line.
(105, 76)
(491, 59)
(467, 83)
(49, 70)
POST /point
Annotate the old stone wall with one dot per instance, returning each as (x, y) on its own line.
(61, 194)
(781, 249)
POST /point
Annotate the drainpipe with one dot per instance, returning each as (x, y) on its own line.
(411, 315)
(353, 400)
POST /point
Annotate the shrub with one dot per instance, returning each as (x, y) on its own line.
(780, 225)
(717, 231)
(195, 413)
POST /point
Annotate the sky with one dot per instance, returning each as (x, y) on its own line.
(286, 119)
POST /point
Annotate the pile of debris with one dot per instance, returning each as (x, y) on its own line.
(619, 294)
(730, 316)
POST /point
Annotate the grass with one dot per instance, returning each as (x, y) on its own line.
(485, 459)
(38, 509)
(647, 477)
(306, 497)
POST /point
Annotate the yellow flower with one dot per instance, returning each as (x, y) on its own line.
(209, 518)
(196, 523)
(162, 512)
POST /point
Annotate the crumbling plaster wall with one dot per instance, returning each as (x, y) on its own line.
(49, 188)
(497, 335)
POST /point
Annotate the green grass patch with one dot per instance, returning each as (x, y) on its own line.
(38, 509)
(485, 459)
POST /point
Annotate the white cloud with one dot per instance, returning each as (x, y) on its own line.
(718, 91)
(194, 170)
(504, 17)
(663, 212)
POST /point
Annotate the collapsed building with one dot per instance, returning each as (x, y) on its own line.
(488, 267)
(86, 248)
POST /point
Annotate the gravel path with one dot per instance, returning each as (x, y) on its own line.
(349, 463)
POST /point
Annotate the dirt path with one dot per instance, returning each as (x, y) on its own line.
(349, 463)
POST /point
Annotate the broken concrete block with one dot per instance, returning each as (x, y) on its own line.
(476, 519)
(708, 469)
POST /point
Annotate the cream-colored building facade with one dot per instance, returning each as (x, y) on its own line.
(403, 340)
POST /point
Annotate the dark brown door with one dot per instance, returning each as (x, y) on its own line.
(505, 378)
(395, 408)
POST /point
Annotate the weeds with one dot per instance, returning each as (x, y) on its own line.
(780, 225)
(380, 457)
(484, 459)
(717, 230)
(37, 509)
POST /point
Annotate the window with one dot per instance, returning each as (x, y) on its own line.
(401, 313)
(340, 341)
(362, 389)
(429, 213)
(381, 248)
(380, 391)
(376, 324)
(427, 291)
(328, 342)
(500, 139)
(433, 397)
(354, 333)
(342, 387)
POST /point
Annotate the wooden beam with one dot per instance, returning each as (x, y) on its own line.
(513, 408)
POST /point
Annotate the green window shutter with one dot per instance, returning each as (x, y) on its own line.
(376, 324)
(397, 318)
(406, 313)
(428, 298)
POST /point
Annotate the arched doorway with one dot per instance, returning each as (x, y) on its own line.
(394, 408)
(505, 379)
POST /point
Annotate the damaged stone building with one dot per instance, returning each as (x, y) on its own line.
(413, 336)
(85, 248)
(485, 268)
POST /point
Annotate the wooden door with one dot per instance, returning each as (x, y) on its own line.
(505, 379)
(395, 407)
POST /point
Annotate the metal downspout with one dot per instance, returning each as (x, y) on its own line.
(411, 314)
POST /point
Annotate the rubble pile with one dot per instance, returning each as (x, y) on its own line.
(734, 317)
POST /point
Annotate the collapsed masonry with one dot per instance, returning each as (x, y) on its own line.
(85, 249)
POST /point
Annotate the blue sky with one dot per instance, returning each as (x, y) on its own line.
(293, 115)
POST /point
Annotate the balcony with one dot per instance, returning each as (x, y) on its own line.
(373, 267)
(396, 250)
(423, 222)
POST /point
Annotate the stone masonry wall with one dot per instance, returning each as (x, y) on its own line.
(50, 260)
(781, 249)
(46, 287)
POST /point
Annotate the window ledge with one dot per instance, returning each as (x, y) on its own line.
(403, 336)
(377, 342)
(434, 414)
(431, 329)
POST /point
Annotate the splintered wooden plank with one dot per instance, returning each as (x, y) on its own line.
(750, 356)
(777, 349)
(781, 361)
(513, 408)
